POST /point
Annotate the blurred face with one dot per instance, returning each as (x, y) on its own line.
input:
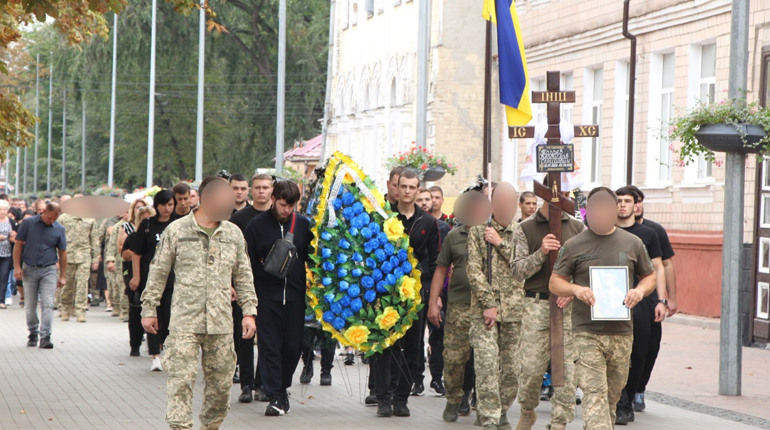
(50, 217)
(194, 200)
(182, 203)
(437, 200)
(626, 207)
(138, 208)
(407, 190)
(241, 190)
(218, 200)
(602, 213)
(282, 210)
(166, 209)
(528, 207)
(504, 203)
(424, 201)
(393, 189)
(261, 190)
(479, 212)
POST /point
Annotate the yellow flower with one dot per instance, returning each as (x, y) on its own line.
(393, 228)
(388, 318)
(357, 335)
(406, 290)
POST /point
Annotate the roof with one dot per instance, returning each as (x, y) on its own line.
(307, 150)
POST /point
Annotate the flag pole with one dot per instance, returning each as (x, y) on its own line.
(487, 168)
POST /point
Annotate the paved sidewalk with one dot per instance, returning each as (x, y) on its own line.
(89, 382)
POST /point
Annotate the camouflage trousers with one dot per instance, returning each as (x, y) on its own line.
(534, 355)
(495, 351)
(457, 349)
(217, 356)
(117, 288)
(602, 370)
(74, 295)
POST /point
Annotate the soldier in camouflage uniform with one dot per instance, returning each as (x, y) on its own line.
(208, 255)
(534, 243)
(603, 348)
(115, 279)
(83, 251)
(495, 311)
(104, 237)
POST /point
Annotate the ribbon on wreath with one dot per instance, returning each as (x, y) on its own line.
(339, 178)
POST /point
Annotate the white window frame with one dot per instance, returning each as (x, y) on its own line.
(591, 154)
(567, 83)
(620, 125)
(760, 313)
(656, 123)
(700, 171)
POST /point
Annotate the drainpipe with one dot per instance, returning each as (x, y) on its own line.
(631, 94)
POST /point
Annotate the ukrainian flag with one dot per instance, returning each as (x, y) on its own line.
(514, 79)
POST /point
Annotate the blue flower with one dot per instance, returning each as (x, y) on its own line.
(381, 287)
(356, 305)
(336, 307)
(328, 266)
(342, 258)
(345, 301)
(389, 248)
(342, 272)
(366, 232)
(329, 316)
(367, 282)
(394, 261)
(398, 272)
(403, 255)
(326, 235)
(348, 199)
(407, 267)
(377, 275)
(380, 255)
(353, 231)
(370, 296)
(357, 257)
(326, 281)
(356, 272)
(371, 245)
(390, 279)
(374, 227)
(354, 291)
(382, 238)
(358, 207)
(344, 244)
(344, 285)
(387, 267)
(329, 297)
(337, 204)
(346, 313)
(326, 252)
(348, 213)
(338, 323)
(371, 263)
(364, 218)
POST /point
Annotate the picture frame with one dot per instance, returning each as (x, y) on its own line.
(610, 285)
(763, 300)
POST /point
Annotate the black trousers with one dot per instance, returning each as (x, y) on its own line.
(135, 329)
(644, 351)
(279, 342)
(315, 337)
(436, 342)
(155, 341)
(244, 351)
(5, 272)
(407, 355)
(469, 379)
(652, 356)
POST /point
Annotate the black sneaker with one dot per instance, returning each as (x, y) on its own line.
(418, 389)
(260, 396)
(350, 359)
(465, 405)
(400, 409)
(474, 400)
(236, 379)
(245, 396)
(134, 352)
(326, 379)
(622, 417)
(32, 341)
(384, 409)
(45, 343)
(371, 399)
(639, 405)
(437, 388)
(285, 402)
(275, 408)
(307, 373)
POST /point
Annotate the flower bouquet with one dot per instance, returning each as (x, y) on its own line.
(423, 161)
(364, 285)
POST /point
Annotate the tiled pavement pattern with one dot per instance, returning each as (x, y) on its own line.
(88, 381)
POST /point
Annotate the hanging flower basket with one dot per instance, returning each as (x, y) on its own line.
(433, 174)
(731, 137)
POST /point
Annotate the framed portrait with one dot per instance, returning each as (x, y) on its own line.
(763, 300)
(610, 286)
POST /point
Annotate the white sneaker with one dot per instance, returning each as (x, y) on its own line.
(156, 366)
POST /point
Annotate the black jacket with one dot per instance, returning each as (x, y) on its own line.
(424, 240)
(260, 234)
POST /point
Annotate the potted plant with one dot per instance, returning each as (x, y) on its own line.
(726, 126)
(429, 166)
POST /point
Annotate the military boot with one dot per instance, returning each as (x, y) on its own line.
(65, 315)
(450, 412)
(557, 426)
(527, 419)
(81, 316)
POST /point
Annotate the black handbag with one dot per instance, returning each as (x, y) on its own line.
(282, 255)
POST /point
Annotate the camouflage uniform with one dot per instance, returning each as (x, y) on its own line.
(82, 251)
(457, 349)
(495, 348)
(201, 313)
(115, 282)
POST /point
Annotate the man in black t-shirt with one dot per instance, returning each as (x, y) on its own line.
(653, 309)
(261, 190)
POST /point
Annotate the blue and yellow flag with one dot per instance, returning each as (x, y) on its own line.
(514, 79)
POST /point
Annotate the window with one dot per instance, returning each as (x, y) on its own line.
(593, 82)
(369, 8)
(567, 84)
(345, 14)
(666, 114)
(620, 125)
(354, 13)
(707, 88)
(539, 113)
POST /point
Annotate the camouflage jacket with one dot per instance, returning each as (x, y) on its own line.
(205, 268)
(506, 292)
(111, 247)
(82, 239)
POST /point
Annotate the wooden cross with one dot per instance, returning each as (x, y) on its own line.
(557, 200)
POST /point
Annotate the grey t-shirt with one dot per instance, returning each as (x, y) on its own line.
(588, 249)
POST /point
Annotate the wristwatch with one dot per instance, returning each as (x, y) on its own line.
(664, 301)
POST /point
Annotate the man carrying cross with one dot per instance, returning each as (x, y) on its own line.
(533, 242)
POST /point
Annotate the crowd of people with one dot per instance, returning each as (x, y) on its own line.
(187, 270)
